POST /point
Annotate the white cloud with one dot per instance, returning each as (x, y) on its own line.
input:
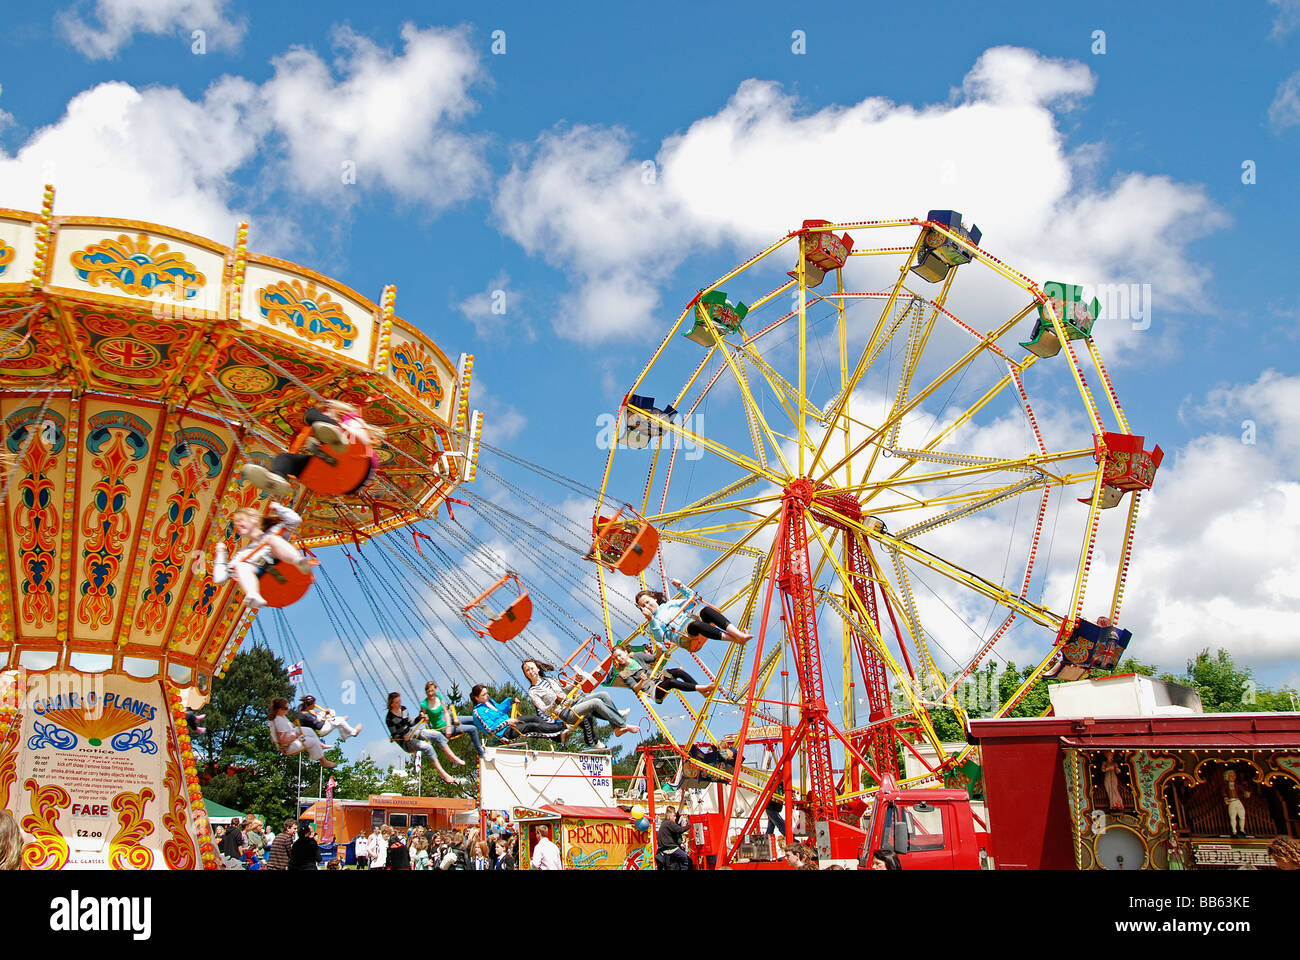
(392, 116)
(755, 169)
(155, 154)
(497, 308)
(118, 21)
(1287, 18)
(150, 154)
(502, 421)
(1285, 109)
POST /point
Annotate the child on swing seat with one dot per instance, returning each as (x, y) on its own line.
(266, 540)
(337, 434)
(671, 621)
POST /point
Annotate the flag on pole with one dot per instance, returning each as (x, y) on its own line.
(327, 829)
(419, 769)
(295, 673)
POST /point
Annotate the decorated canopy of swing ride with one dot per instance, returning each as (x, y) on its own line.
(847, 460)
(140, 367)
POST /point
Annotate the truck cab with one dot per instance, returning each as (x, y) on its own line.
(927, 830)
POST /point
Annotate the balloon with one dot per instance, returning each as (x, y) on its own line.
(643, 824)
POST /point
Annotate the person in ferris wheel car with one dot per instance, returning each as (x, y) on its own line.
(324, 720)
(671, 620)
(337, 434)
(266, 539)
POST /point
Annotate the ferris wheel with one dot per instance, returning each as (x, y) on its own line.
(862, 444)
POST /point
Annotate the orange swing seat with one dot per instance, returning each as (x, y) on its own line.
(328, 473)
(283, 584)
(626, 545)
(512, 619)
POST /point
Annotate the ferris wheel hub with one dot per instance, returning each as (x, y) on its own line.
(801, 489)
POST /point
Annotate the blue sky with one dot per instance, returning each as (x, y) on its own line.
(518, 171)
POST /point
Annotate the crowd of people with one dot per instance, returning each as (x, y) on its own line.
(247, 844)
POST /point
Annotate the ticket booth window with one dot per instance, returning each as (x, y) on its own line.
(376, 818)
(397, 820)
(419, 820)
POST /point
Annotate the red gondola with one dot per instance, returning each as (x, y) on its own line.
(507, 624)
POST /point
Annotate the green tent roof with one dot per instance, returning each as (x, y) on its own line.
(220, 815)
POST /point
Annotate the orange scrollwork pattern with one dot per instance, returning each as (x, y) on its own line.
(10, 729)
(48, 850)
(36, 517)
(413, 363)
(116, 442)
(124, 850)
(178, 852)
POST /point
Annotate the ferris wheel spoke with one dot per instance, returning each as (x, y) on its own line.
(912, 358)
(710, 544)
(846, 392)
(752, 409)
(960, 512)
(864, 618)
(912, 404)
(726, 453)
(1035, 612)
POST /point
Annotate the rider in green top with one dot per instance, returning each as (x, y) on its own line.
(434, 710)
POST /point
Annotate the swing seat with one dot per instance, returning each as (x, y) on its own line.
(328, 473)
(694, 644)
(507, 624)
(283, 584)
(511, 621)
(598, 675)
(626, 545)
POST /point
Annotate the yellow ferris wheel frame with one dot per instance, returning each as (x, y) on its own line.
(723, 513)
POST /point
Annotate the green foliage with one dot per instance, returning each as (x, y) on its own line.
(245, 770)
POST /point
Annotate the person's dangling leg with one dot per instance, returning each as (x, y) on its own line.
(589, 732)
(286, 552)
(272, 478)
(675, 679)
(464, 727)
(246, 577)
(592, 705)
(426, 748)
(533, 726)
(440, 739)
(315, 749)
(715, 617)
(326, 429)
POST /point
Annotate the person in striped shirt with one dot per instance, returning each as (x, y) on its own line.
(277, 857)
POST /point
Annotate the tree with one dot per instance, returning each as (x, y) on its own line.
(243, 767)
